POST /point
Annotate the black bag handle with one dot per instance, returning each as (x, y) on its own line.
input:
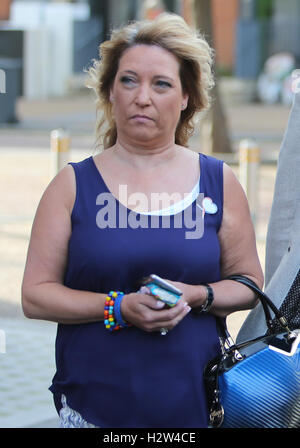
(266, 302)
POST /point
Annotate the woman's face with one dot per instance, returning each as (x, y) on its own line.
(147, 96)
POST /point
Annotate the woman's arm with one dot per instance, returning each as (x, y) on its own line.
(43, 294)
(238, 255)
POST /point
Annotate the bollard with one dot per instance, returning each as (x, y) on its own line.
(249, 159)
(60, 147)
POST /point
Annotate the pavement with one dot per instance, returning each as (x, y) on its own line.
(27, 361)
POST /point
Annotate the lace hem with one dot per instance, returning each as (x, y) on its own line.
(68, 418)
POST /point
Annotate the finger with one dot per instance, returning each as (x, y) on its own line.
(145, 311)
(152, 301)
(173, 314)
(144, 290)
(169, 325)
(159, 304)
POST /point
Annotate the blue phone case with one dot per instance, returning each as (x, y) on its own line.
(168, 297)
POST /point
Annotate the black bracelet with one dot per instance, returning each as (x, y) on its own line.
(205, 307)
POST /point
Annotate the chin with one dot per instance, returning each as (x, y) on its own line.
(143, 137)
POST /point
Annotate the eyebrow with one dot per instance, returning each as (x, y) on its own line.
(155, 77)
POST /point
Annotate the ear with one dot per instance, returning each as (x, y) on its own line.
(185, 100)
(111, 96)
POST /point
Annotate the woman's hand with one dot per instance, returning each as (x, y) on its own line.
(149, 314)
(194, 295)
(190, 293)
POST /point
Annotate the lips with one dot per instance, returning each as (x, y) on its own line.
(141, 118)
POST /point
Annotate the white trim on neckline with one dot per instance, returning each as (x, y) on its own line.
(178, 206)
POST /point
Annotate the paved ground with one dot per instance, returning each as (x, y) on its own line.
(26, 346)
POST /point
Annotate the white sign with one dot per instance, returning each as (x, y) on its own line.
(2, 81)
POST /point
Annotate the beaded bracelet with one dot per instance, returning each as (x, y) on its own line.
(112, 311)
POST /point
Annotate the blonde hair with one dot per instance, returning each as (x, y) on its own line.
(170, 32)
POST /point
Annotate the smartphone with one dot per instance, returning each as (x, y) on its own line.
(162, 289)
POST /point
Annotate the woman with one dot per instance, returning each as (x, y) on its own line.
(88, 239)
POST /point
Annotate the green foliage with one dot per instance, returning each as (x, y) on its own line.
(264, 8)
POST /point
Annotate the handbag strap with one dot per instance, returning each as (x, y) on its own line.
(267, 304)
(265, 301)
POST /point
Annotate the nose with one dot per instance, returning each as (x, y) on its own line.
(143, 96)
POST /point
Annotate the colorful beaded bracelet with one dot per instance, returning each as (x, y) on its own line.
(112, 311)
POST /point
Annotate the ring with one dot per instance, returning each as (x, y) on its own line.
(163, 331)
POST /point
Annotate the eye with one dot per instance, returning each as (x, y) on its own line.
(161, 84)
(127, 80)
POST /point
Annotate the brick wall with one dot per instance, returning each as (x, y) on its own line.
(225, 15)
(4, 9)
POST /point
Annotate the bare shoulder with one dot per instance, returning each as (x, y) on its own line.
(230, 178)
(189, 159)
(51, 229)
(236, 213)
(102, 156)
(234, 195)
(236, 220)
(237, 235)
(187, 153)
(62, 189)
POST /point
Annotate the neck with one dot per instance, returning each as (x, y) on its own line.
(139, 156)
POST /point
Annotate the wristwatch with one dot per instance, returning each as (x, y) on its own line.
(205, 307)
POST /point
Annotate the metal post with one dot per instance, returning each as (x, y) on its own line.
(249, 159)
(60, 147)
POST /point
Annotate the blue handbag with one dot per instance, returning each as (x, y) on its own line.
(256, 384)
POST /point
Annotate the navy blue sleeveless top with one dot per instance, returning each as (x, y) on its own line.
(131, 378)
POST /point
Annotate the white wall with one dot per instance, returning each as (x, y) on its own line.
(48, 44)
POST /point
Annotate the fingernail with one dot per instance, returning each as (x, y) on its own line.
(160, 304)
(188, 309)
